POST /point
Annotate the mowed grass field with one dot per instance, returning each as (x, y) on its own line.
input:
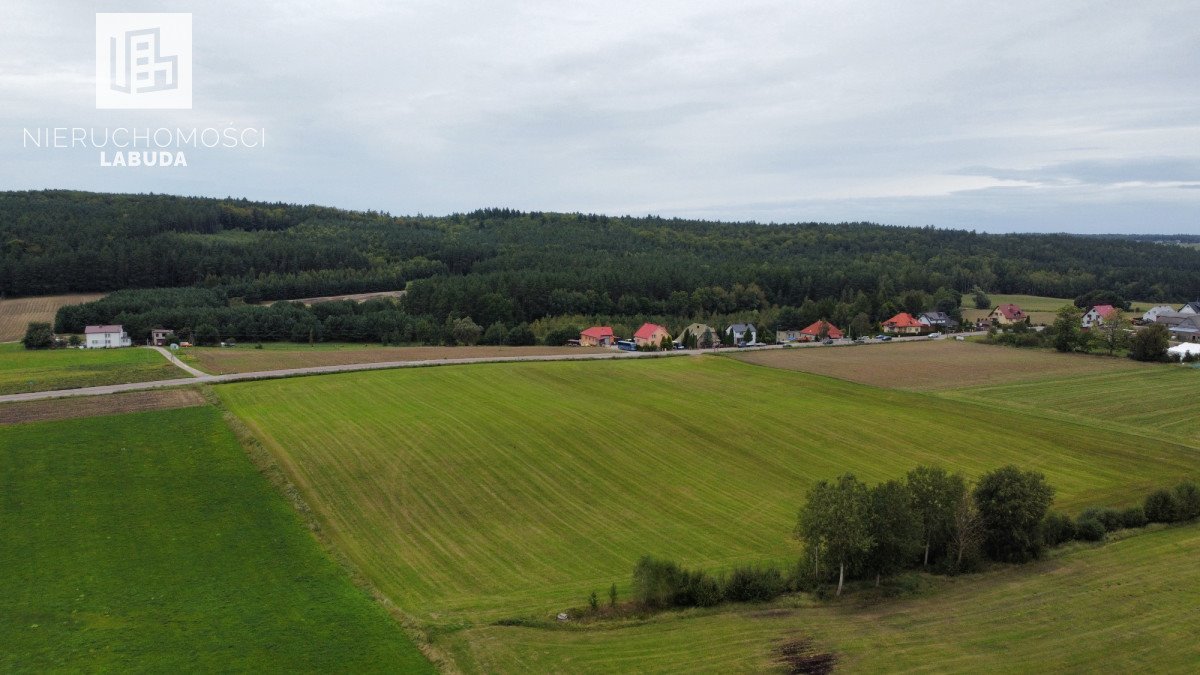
(1163, 400)
(475, 493)
(1128, 606)
(16, 314)
(148, 542)
(279, 356)
(23, 370)
(928, 365)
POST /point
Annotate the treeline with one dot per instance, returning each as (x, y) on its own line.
(514, 267)
(932, 520)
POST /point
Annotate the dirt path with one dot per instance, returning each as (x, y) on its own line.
(175, 360)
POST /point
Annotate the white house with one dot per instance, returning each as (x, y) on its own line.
(743, 332)
(1190, 308)
(1096, 316)
(1152, 314)
(99, 337)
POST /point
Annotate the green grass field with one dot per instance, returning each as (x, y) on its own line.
(22, 370)
(1161, 400)
(474, 493)
(148, 542)
(1127, 606)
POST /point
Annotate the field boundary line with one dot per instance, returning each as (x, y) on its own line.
(268, 466)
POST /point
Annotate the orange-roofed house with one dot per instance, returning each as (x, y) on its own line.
(597, 336)
(1007, 314)
(650, 335)
(820, 330)
(904, 324)
(1097, 315)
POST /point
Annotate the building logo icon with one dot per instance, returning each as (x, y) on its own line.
(144, 61)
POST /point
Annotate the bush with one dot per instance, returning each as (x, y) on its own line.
(1187, 501)
(1058, 528)
(1089, 529)
(1108, 517)
(659, 584)
(1133, 516)
(752, 584)
(1159, 507)
(38, 335)
(1012, 505)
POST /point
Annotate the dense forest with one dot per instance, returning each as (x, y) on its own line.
(506, 267)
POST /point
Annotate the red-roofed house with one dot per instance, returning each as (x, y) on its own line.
(1007, 314)
(1097, 315)
(597, 336)
(822, 329)
(904, 324)
(650, 334)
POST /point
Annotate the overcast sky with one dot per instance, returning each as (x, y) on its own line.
(1004, 116)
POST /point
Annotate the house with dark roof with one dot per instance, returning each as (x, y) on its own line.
(1007, 314)
(1190, 308)
(104, 337)
(597, 336)
(1187, 330)
(937, 320)
(904, 324)
(742, 333)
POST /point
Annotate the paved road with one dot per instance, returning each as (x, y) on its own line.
(204, 378)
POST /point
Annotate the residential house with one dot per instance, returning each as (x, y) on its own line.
(822, 329)
(597, 336)
(785, 336)
(158, 336)
(1152, 314)
(904, 324)
(937, 320)
(650, 334)
(1097, 315)
(1007, 314)
(742, 332)
(100, 337)
(1190, 308)
(1187, 330)
(706, 336)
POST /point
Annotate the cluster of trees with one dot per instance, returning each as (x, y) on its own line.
(498, 265)
(1066, 334)
(932, 518)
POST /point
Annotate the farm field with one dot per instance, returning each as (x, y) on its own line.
(23, 370)
(1121, 607)
(91, 406)
(928, 365)
(474, 493)
(16, 314)
(277, 356)
(148, 542)
(1160, 399)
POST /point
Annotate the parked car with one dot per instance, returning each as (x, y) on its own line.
(934, 336)
(881, 336)
(885, 338)
(826, 341)
(860, 340)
